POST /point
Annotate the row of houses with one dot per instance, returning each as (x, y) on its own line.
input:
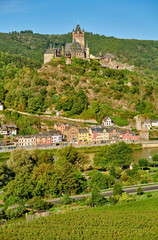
(95, 134)
(45, 139)
(71, 134)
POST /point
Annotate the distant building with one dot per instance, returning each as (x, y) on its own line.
(51, 52)
(147, 124)
(71, 133)
(8, 130)
(1, 106)
(77, 48)
(99, 134)
(128, 136)
(84, 136)
(56, 137)
(62, 126)
(107, 122)
(114, 135)
(154, 123)
(43, 140)
(25, 141)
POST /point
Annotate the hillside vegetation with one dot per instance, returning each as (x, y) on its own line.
(141, 53)
(83, 89)
(132, 220)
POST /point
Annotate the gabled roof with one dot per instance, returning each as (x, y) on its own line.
(106, 118)
(83, 130)
(55, 132)
(78, 29)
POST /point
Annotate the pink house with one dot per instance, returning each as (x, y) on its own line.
(128, 136)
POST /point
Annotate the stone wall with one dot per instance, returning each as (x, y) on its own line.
(47, 57)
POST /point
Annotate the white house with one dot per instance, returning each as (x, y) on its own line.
(107, 122)
(154, 123)
(147, 124)
(9, 130)
(1, 106)
(56, 137)
(26, 141)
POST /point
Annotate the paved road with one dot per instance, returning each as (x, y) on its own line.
(110, 193)
(132, 190)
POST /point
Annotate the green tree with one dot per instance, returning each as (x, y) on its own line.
(118, 155)
(22, 187)
(70, 156)
(100, 181)
(96, 199)
(155, 158)
(5, 174)
(20, 161)
(143, 163)
(117, 189)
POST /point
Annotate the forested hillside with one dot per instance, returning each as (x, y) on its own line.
(83, 89)
(141, 53)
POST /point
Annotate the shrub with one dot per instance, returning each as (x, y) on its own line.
(38, 204)
(139, 191)
(66, 200)
(112, 200)
(117, 189)
(96, 199)
(149, 195)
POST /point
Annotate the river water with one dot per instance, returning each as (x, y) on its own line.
(143, 153)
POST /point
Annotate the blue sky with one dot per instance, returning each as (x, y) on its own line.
(132, 19)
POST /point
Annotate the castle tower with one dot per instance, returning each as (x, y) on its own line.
(78, 35)
(87, 50)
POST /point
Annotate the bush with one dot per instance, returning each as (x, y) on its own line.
(149, 195)
(38, 204)
(112, 200)
(14, 213)
(66, 200)
(96, 199)
(117, 189)
(139, 191)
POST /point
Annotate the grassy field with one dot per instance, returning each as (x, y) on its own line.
(128, 220)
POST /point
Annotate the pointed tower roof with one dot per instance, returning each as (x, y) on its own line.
(78, 29)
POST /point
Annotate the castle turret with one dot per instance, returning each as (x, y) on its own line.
(78, 34)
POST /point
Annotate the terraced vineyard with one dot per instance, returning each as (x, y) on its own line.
(132, 220)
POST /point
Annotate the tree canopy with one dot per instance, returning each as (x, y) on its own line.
(118, 155)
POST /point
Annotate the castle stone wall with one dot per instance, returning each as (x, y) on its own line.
(47, 57)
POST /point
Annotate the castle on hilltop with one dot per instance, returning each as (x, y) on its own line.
(76, 48)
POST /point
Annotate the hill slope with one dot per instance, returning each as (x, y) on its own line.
(143, 54)
(83, 89)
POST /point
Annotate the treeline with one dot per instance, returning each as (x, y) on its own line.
(141, 53)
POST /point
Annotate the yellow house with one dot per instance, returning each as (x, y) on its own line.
(84, 136)
(104, 135)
